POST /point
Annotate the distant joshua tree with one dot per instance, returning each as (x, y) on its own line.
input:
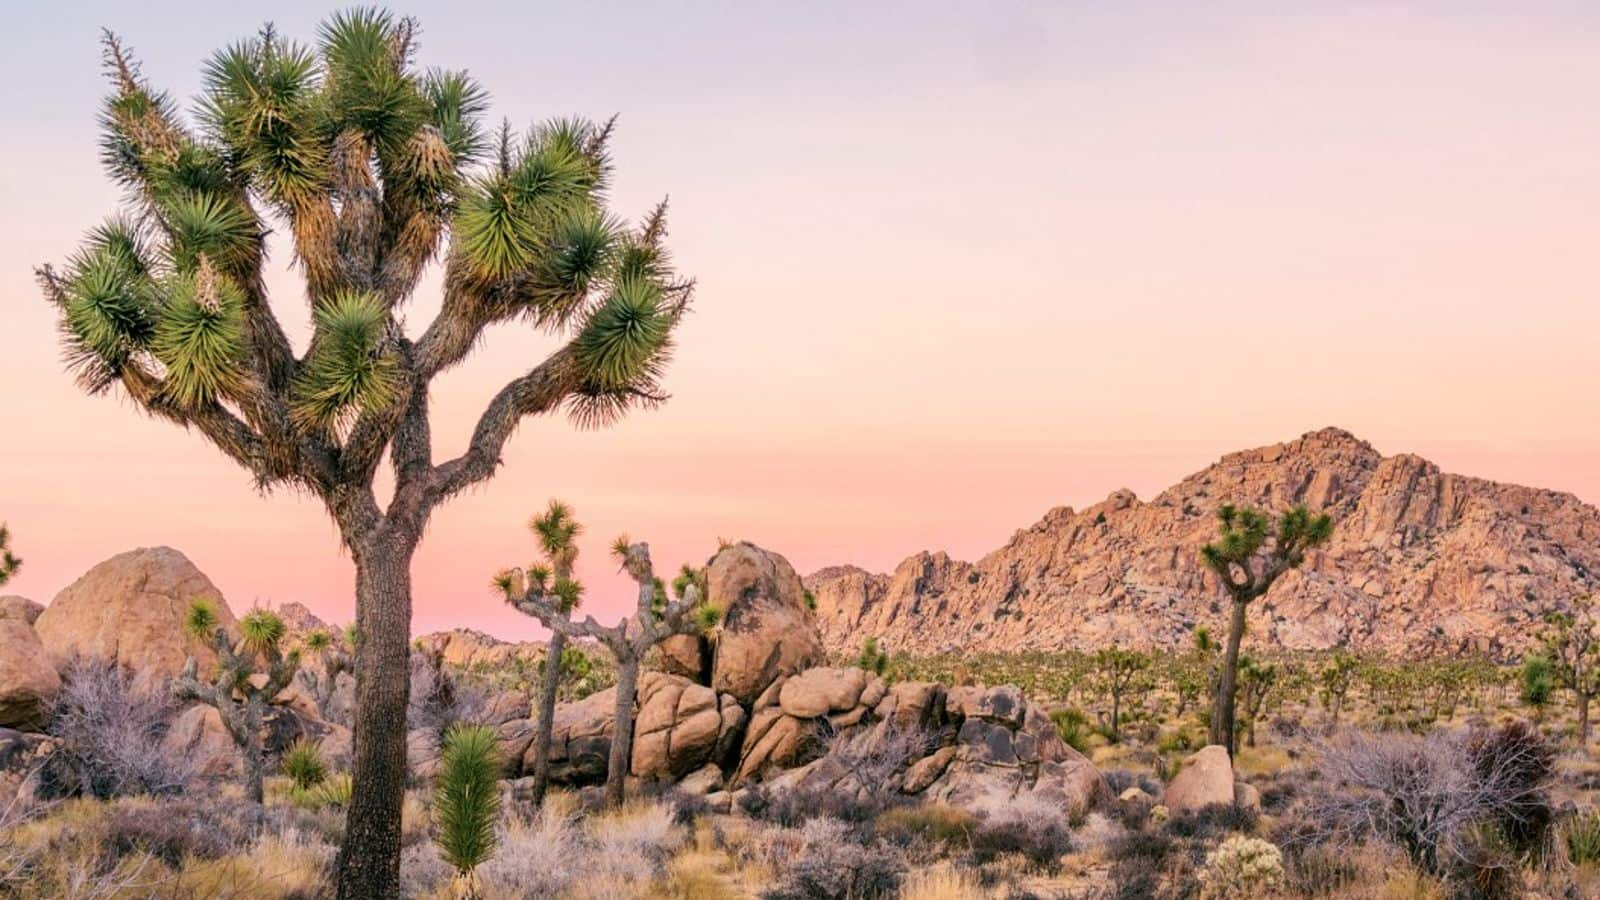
(1335, 679)
(334, 659)
(1572, 644)
(372, 168)
(655, 618)
(557, 533)
(1248, 556)
(873, 657)
(1537, 683)
(1119, 671)
(240, 702)
(1257, 680)
(9, 563)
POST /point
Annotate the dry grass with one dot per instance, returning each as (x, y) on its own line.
(287, 865)
(943, 883)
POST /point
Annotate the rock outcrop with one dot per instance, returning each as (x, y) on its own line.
(130, 610)
(978, 748)
(1420, 561)
(28, 679)
(767, 631)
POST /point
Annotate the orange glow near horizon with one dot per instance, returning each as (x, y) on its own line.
(955, 268)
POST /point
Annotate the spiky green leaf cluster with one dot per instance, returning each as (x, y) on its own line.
(304, 765)
(262, 102)
(568, 593)
(199, 338)
(262, 631)
(317, 640)
(200, 621)
(349, 368)
(110, 305)
(466, 797)
(557, 531)
(535, 214)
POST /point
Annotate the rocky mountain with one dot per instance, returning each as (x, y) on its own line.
(1421, 561)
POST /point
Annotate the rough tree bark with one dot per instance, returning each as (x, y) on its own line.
(1227, 682)
(549, 688)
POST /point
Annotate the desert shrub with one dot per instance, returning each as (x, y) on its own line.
(304, 765)
(1486, 865)
(1073, 726)
(110, 733)
(1312, 871)
(934, 824)
(792, 807)
(176, 828)
(1432, 796)
(1033, 829)
(1581, 835)
(1212, 823)
(1137, 860)
(539, 856)
(1121, 779)
(830, 866)
(1241, 868)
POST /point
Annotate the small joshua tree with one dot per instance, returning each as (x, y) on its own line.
(1249, 556)
(1119, 671)
(9, 563)
(466, 802)
(233, 692)
(873, 657)
(1572, 645)
(334, 659)
(1537, 684)
(1335, 679)
(630, 640)
(557, 533)
(1257, 680)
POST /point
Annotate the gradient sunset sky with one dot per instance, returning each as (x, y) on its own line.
(958, 264)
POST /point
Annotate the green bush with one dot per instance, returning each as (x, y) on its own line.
(1582, 834)
(1073, 726)
(304, 765)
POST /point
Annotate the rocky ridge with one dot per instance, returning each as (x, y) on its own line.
(1420, 561)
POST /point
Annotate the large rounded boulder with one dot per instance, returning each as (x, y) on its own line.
(767, 631)
(130, 610)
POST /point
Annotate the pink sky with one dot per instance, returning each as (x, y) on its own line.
(956, 268)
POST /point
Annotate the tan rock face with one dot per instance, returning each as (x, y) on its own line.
(1205, 779)
(1420, 561)
(681, 726)
(469, 650)
(766, 629)
(28, 679)
(130, 610)
(20, 608)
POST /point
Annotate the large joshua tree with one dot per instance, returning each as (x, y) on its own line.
(1249, 555)
(373, 169)
(655, 619)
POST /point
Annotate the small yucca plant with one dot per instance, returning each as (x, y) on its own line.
(304, 765)
(1582, 833)
(466, 801)
(261, 630)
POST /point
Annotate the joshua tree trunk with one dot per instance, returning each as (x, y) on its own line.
(1116, 716)
(1583, 720)
(369, 858)
(622, 741)
(548, 688)
(1227, 683)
